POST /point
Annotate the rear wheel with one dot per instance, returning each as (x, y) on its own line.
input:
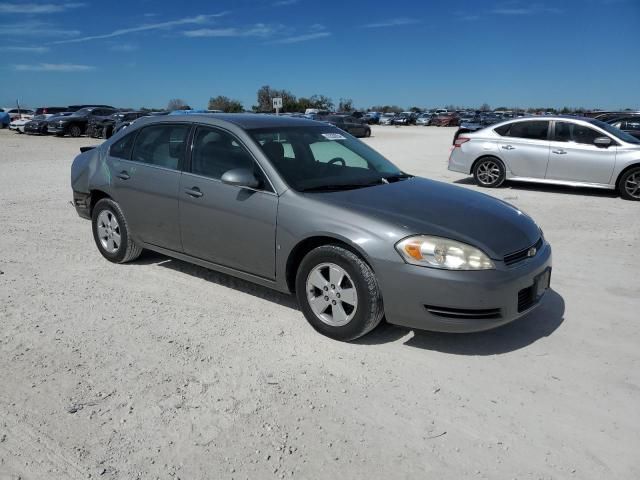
(111, 233)
(338, 293)
(629, 184)
(489, 172)
(367, 132)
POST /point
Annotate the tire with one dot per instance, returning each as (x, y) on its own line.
(75, 131)
(367, 133)
(127, 250)
(353, 320)
(629, 184)
(489, 172)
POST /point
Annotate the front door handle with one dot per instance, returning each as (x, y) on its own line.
(559, 151)
(508, 147)
(193, 192)
(123, 175)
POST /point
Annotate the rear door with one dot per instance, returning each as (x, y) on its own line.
(145, 175)
(574, 157)
(524, 147)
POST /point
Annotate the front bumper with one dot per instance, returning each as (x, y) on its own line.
(56, 128)
(461, 301)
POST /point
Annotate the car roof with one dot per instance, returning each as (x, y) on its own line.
(246, 121)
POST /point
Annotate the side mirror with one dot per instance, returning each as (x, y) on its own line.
(240, 177)
(602, 142)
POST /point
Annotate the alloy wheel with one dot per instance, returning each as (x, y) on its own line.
(331, 294)
(488, 172)
(109, 231)
(632, 185)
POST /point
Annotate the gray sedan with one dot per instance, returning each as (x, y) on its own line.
(302, 207)
(554, 150)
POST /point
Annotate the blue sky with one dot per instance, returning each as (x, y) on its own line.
(421, 52)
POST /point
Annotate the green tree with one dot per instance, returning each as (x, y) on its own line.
(225, 104)
(177, 104)
(345, 105)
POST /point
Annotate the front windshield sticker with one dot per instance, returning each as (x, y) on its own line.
(333, 136)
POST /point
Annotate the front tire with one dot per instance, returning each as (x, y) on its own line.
(338, 293)
(111, 233)
(75, 131)
(489, 172)
(629, 185)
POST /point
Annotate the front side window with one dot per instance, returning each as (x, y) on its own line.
(572, 132)
(216, 152)
(161, 145)
(531, 130)
(322, 157)
(122, 148)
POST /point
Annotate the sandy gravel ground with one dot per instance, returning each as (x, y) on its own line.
(161, 369)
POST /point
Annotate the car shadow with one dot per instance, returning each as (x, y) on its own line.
(229, 281)
(538, 324)
(528, 329)
(541, 187)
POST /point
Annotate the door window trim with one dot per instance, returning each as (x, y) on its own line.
(614, 142)
(187, 167)
(136, 134)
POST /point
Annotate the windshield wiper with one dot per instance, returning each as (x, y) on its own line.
(397, 177)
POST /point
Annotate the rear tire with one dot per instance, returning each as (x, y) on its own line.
(344, 291)
(629, 184)
(367, 133)
(111, 233)
(489, 172)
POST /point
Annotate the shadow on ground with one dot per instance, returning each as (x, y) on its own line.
(538, 324)
(541, 187)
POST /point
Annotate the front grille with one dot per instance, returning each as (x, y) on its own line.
(463, 313)
(521, 255)
(526, 298)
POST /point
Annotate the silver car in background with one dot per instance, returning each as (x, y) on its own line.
(554, 150)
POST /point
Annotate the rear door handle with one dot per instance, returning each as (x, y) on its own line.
(193, 192)
(508, 147)
(123, 175)
(559, 151)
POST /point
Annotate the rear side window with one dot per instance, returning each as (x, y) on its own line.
(123, 147)
(534, 130)
(571, 132)
(161, 145)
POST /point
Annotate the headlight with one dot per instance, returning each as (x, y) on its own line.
(437, 252)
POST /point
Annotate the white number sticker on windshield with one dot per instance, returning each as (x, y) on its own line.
(333, 136)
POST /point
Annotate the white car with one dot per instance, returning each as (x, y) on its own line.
(556, 150)
(18, 125)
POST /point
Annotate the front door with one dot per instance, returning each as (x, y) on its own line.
(145, 176)
(228, 225)
(574, 157)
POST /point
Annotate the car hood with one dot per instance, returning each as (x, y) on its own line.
(422, 206)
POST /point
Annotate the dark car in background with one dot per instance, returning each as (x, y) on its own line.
(405, 118)
(105, 127)
(629, 124)
(349, 124)
(76, 124)
(372, 118)
(446, 120)
(39, 124)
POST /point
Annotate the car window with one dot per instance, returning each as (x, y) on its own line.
(327, 151)
(161, 145)
(572, 132)
(216, 152)
(122, 148)
(533, 130)
(633, 124)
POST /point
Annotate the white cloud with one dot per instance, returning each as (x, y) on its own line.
(18, 49)
(394, 22)
(35, 29)
(303, 38)
(284, 3)
(53, 67)
(35, 8)
(257, 30)
(197, 20)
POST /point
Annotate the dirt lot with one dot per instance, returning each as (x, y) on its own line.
(161, 369)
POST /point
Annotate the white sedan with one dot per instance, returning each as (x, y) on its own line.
(554, 150)
(18, 125)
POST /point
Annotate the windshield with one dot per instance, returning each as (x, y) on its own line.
(616, 132)
(83, 112)
(323, 157)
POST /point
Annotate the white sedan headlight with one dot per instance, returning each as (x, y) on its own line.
(438, 252)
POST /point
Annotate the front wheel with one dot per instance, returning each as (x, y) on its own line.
(75, 131)
(111, 233)
(338, 293)
(629, 185)
(489, 172)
